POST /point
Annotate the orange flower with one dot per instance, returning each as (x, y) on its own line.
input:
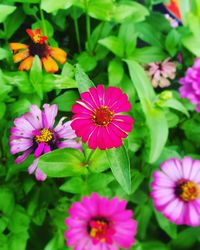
(38, 46)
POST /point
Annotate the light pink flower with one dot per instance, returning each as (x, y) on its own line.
(96, 223)
(161, 72)
(173, 22)
(98, 119)
(34, 132)
(176, 191)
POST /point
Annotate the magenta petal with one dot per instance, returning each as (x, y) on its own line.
(39, 149)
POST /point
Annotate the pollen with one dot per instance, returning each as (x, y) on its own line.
(103, 116)
(99, 230)
(187, 190)
(45, 136)
(37, 38)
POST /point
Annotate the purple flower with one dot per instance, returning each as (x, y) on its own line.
(176, 191)
(191, 84)
(34, 132)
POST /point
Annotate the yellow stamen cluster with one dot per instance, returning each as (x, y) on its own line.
(36, 38)
(190, 191)
(45, 136)
(96, 232)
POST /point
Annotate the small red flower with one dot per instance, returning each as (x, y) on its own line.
(38, 46)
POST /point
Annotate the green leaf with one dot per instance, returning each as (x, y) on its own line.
(87, 61)
(166, 225)
(74, 185)
(98, 161)
(36, 76)
(115, 72)
(83, 81)
(155, 117)
(175, 104)
(148, 54)
(14, 21)
(51, 6)
(7, 201)
(154, 245)
(98, 182)
(113, 44)
(172, 41)
(120, 166)
(66, 100)
(19, 221)
(3, 53)
(100, 9)
(2, 109)
(19, 240)
(186, 238)
(129, 10)
(5, 11)
(62, 162)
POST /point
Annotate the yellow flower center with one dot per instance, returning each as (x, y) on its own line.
(187, 190)
(45, 136)
(99, 230)
(37, 38)
(103, 116)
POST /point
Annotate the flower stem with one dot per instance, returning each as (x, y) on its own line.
(43, 22)
(88, 25)
(77, 34)
(90, 155)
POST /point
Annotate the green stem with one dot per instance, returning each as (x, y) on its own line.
(77, 34)
(43, 22)
(88, 25)
(90, 155)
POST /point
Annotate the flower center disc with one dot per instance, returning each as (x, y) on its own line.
(187, 190)
(103, 116)
(45, 136)
(100, 231)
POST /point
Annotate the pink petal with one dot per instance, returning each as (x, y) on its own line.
(50, 113)
(39, 149)
(23, 157)
(39, 175)
(33, 166)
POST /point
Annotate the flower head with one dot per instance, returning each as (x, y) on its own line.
(176, 191)
(173, 7)
(173, 22)
(39, 47)
(161, 72)
(98, 223)
(97, 117)
(35, 132)
(191, 84)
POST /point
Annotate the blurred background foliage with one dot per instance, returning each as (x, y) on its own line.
(111, 41)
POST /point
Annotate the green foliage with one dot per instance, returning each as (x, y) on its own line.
(111, 43)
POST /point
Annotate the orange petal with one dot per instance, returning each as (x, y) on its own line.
(20, 56)
(49, 64)
(26, 64)
(59, 54)
(17, 46)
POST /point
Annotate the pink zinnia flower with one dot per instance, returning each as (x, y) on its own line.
(161, 72)
(176, 191)
(98, 120)
(191, 84)
(97, 223)
(34, 132)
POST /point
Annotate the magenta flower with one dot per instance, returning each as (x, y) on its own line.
(97, 223)
(176, 191)
(191, 84)
(161, 73)
(34, 132)
(97, 117)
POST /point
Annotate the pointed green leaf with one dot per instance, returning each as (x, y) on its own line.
(83, 81)
(120, 166)
(62, 162)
